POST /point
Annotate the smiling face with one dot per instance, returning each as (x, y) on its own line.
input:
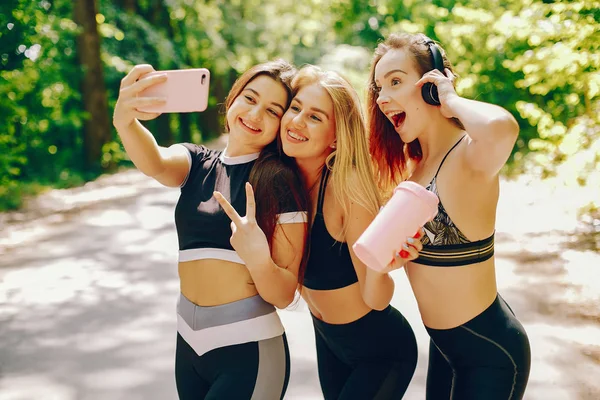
(308, 126)
(254, 116)
(398, 98)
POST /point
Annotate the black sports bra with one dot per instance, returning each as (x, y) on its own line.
(203, 228)
(329, 264)
(444, 245)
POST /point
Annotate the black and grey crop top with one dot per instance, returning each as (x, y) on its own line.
(329, 264)
(444, 245)
(203, 228)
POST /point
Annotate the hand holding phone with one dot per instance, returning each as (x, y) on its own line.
(128, 106)
(185, 90)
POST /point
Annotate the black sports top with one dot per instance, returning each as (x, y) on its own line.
(203, 228)
(329, 264)
(444, 245)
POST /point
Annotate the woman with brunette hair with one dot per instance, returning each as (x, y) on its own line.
(421, 130)
(365, 347)
(230, 343)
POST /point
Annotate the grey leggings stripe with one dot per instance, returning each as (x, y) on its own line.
(202, 317)
(388, 385)
(453, 372)
(512, 390)
(271, 369)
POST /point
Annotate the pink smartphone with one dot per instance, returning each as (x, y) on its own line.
(186, 90)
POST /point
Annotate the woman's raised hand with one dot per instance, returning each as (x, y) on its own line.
(445, 88)
(126, 109)
(247, 239)
(410, 251)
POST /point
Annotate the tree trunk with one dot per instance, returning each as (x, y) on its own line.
(209, 121)
(130, 6)
(185, 128)
(161, 20)
(164, 133)
(97, 126)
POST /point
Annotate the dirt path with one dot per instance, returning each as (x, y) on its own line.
(88, 290)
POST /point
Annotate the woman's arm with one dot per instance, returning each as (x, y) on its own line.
(377, 287)
(276, 277)
(275, 273)
(492, 133)
(168, 166)
(492, 130)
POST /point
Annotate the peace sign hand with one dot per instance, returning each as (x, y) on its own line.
(445, 88)
(247, 239)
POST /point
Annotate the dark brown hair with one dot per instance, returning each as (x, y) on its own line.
(384, 141)
(275, 178)
(277, 183)
(279, 70)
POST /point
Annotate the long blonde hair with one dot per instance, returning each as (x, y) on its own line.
(352, 172)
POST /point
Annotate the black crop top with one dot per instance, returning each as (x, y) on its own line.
(444, 245)
(203, 228)
(329, 264)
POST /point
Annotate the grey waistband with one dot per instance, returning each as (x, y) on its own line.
(202, 317)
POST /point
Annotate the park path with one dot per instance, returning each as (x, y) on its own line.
(88, 287)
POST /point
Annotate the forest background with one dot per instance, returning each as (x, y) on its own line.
(61, 63)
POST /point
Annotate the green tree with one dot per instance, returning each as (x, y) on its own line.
(97, 126)
(539, 59)
(40, 136)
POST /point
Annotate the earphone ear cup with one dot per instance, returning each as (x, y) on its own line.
(430, 94)
(429, 90)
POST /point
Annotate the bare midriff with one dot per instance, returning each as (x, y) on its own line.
(337, 306)
(450, 296)
(212, 282)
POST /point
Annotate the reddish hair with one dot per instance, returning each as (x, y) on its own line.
(384, 141)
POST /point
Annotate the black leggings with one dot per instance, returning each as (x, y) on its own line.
(487, 358)
(233, 372)
(371, 358)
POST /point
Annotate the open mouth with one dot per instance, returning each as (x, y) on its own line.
(398, 119)
(250, 127)
(296, 137)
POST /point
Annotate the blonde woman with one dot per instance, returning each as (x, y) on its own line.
(365, 347)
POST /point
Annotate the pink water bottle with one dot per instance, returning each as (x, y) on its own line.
(410, 207)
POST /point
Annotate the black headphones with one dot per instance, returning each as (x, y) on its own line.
(429, 90)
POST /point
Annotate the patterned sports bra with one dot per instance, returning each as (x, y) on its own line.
(444, 245)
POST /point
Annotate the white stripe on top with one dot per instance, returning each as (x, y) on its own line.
(246, 158)
(231, 255)
(210, 253)
(292, 217)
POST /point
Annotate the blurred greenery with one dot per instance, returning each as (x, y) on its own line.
(537, 58)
